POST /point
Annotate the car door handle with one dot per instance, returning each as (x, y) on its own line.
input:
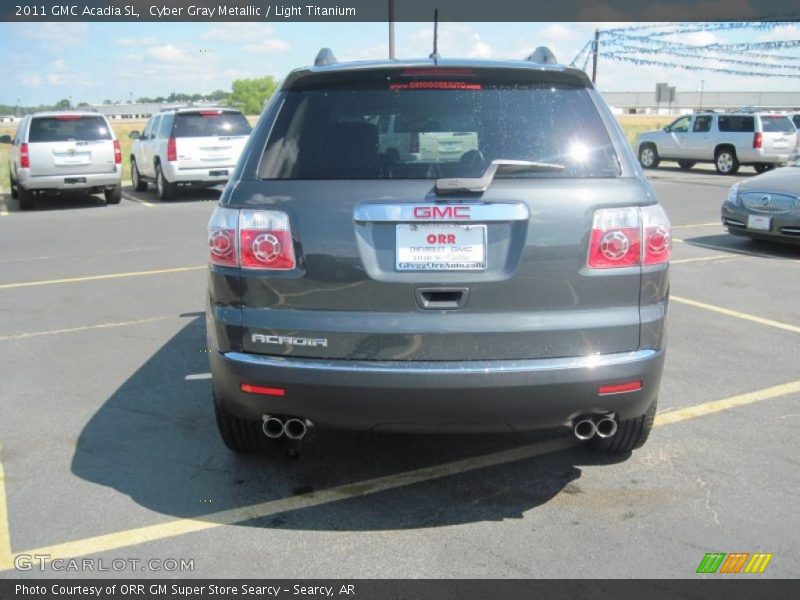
(442, 298)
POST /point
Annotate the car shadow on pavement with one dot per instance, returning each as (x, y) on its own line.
(736, 244)
(182, 195)
(65, 201)
(155, 440)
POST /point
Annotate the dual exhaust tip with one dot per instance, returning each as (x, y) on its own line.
(603, 427)
(292, 428)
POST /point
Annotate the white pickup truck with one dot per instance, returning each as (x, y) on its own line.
(729, 140)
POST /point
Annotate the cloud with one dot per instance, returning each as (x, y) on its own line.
(455, 39)
(267, 47)
(137, 41)
(56, 36)
(31, 80)
(238, 32)
(168, 53)
(59, 65)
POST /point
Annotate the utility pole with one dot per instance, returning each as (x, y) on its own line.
(702, 85)
(595, 47)
(391, 29)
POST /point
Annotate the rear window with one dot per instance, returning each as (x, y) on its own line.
(210, 123)
(433, 129)
(68, 128)
(737, 124)
(777, 123)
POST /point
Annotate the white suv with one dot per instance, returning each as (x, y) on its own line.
(726, 139)
(65, 151)
(187, 146)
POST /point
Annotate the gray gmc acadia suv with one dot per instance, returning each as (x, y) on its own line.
(506, 270)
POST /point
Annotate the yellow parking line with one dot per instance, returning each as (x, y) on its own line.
(701, 258)
(134, 199)
(6, 556)
(708, 408)
(737, 314)
(177, 527)
(3, 209)
(6, 286)
(697, 225)
(22, 336)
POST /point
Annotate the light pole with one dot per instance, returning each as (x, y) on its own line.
(702, 86)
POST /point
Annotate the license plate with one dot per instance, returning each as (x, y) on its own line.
(758, 222)
(440, 247)
(68, 180)
(218, 173)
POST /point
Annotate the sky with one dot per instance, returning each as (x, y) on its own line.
(92, 62)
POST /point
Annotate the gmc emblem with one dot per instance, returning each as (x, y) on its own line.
(441, 212)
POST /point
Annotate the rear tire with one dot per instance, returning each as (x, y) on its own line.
(114, 195)
(763, 167)
(25, 198)
(726, 162)
(686, 164)
(631, 433)
(136, 178)
(12, 186)
(165, 189)
(240, 436)
(648, 156)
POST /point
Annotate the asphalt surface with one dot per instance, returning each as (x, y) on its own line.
(110, 452)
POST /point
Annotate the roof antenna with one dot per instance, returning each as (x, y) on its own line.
(435, 54)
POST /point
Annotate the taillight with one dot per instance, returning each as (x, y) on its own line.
(657, 235)
(117, 153)
(24, 157)
(265, 240)
(629, 237)
(222, 237)
(172, 150)
(616, 238)
(252, 239)
(757, 139)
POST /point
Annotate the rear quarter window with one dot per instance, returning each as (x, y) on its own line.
(735, 124)
(211, 123)
(401, 131)
(68, 128)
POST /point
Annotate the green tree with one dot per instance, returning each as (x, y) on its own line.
(62, 104)
(249, 95)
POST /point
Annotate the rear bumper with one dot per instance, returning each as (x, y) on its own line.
(756, 155)
(61, 182)
(175, 174)
(461, 396)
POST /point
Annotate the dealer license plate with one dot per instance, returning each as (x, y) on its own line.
(758, 222)
(440, 247)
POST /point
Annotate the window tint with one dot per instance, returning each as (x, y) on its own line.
(165, 129)
(681, 125)
(737, 124)
(777, 123)
(375, 132)
(210, 123)
(66, 128)
(702, 124)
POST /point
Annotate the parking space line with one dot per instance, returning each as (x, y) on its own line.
(197, 376)
(3, 209)
(702, 258)
(177, 527)
(22, 336)
(697, 225)
(127, 196)
(736, 314)
(6, 556)
(737, 251)
(7, 286)
(708, 408)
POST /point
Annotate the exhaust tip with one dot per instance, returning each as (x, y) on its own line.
(584, 429)
(273, 427)
(295, 429)
(606, 427)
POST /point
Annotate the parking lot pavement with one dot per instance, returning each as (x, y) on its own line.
(109, 448)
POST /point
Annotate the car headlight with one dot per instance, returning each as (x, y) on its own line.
(733, 194)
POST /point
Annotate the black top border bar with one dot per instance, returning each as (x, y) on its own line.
(404, 10)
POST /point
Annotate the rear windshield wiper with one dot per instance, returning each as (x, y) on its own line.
(451, 185)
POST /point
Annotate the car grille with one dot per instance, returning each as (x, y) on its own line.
(769, 203)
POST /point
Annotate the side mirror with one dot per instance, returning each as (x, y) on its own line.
(667, 129)
(134, 135)
(5, 139)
